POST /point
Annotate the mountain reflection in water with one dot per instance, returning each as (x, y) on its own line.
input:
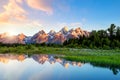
(41, 59)
(50, 67)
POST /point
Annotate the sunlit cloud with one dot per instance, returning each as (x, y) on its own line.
(43, 5)
(19, 1)
(12, 11)
(4, 17)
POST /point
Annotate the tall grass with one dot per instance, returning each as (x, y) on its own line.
(105, 57)
(98, 60)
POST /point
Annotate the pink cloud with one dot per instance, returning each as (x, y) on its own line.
(4, 17)
(12, 11)
(19, 1)
(43, 5)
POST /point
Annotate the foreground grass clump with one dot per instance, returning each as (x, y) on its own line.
(57, 50)
(101, 57)
(107, 61)
(34, 49)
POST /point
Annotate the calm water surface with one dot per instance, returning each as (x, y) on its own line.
(46, 67)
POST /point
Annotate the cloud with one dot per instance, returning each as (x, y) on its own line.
(12, 11)
(4, 17)
(43, 5)
(19, 1)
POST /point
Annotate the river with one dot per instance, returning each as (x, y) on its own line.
(49, 67)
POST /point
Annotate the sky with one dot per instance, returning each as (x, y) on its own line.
(31, 16)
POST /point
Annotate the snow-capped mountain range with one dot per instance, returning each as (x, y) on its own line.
(43, 37)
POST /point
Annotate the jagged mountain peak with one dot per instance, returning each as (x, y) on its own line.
(21, 34)
(5, 34)
(52, 32)
(42, 36)
(64, 30)
(78, 29)
(41, 32)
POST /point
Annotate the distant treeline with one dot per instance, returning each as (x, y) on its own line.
(101, 39)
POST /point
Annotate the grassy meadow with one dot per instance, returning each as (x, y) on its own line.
(101, 57)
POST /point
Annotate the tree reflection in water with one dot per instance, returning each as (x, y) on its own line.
(115, 69)
(41, 59)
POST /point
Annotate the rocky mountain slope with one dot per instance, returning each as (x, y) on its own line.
(43, 37)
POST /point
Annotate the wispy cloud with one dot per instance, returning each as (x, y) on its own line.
(19, 1)
(13, 10)
(43, 5)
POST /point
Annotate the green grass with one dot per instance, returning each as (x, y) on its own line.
(107, 61)
(94, 56)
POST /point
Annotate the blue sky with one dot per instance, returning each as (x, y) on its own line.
(30, 16)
